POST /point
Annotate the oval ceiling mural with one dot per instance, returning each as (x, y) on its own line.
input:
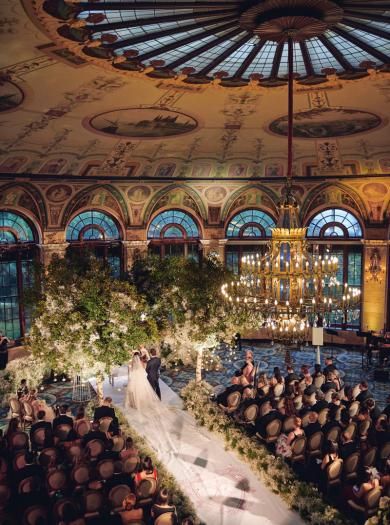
(11, 96)
(327, 122)
(147, 123)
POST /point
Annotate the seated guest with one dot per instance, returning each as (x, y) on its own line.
(365, 483)
(277, 377)
(310, 387)
(348, 446)
(222, 399)
(94, 433)
(248, 370)
(329, 366)
(331, 453)
(147, 471)
(119, 478)
(320, 402)
(23, 389)
(330, 383)
(347, 396)
(331, 421)
(373, 409)
(129, 450)
(291, 375)
(313, 425)
(305, 370)
(30, 469)
(41, 423)
(364, 392)
(285, 441)
(70, 515)
(272, 414)
(129, 514)
(63, 418)
(335, 402)
(246, 400)
(289, 405)
(162, 506)
(105, 410)
(12, 428)
(380, 433)
(317, 371)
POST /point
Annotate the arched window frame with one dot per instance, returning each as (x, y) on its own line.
(17, 255)
(348, 222)
(161, 244)
(109, 248)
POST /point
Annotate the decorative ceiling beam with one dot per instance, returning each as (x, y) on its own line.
(159, 34)
(206, 47)
(306, 59)
(220, 58)
(336, 53)
(367, 29)
(123, 24)
(249, 59)
(135, 6)
(367, 16)
(276, 60)
(363, 45)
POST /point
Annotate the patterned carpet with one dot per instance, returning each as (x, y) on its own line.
(349, 363)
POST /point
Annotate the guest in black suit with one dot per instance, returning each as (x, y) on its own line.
(153, 371)
(313, 425)
(364, 392)
(106, 410)
(262, 422)
(348, 446)
(63, 418)
(30, 469)
(321, 403)
(329, 366)
(119, 478)
(46, 425)
(94, 433)
(234, 387)
(291, 375)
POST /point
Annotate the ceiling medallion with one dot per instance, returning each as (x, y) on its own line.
(276, 19)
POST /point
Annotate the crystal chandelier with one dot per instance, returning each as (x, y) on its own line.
(289, 289)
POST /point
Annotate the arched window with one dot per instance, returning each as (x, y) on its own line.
(98, 232)
(17, 253)
(334, 223)
(338, 232)
(246, 233)
(174, 233)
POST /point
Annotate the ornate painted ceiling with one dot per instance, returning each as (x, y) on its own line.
(74, 100)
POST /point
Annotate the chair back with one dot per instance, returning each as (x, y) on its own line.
(385, 450)
(95, 447)
(117, 494)
(82, 427)
(38, 437)
(305, 419)
(28, 409)
(30, 484)
(165, 519)
(363, 428)
(356, 391)
(352, 429)
(80, 474)
(74, 451)
(289, 424)
(278, 390)
(351, 464)
(298, 446)
(62, 431)
(233, 400)
(146, 489)
(354, 408)
(19, 460)
(129, 465)
(323, 416)
(5, 494)
(33, 513)
(104, 423)
(119, 443)
(46, 455)
(333, 434)
(105, 468)
(93, 501)
(16, 407)
(298, 402)
(250, 413)
(334, 469)
(328, 395)
(19, 440)
(56, 480)
(58, 508)
(273, 429)
(263, 409)
(369, 457)
(371, 500)
(315, 441)
(319, 381)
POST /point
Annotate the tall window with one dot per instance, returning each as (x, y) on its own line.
(17, 253)
(174, 233)
(338, 232)
(246, 232)
(98, 232)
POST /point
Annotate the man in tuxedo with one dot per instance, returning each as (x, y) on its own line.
(153, 371)
(364, 393)
(321, 403)
(46, 425)
(63, 418)
(106, 410)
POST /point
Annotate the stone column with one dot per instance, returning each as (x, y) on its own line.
(214, 246)
(131, 249)
(375, 300)
(48, 250)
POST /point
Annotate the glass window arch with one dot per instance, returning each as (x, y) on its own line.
(18, 239)
(250, 223)
(98, 232)
(333, 223)
(174, 233)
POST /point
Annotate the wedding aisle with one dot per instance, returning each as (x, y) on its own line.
(223, 490)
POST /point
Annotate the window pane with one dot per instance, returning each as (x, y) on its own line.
(9, 300)
(92, 218)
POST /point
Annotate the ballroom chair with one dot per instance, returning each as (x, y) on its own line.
(116, 496)
(58, 508)
(119, 443)
(305, 419)
(168, 518)
(38, 439)
(92, 503)
(298, 449)
(74, 451)
(130, 464)
(31, 514)
(354, 409)
(278, 390)
(323, 416)
(95, 448)
(56, 480)
(27, 414)
(333, 434)
(314, 445)
(30, 484)
(333, 473)
(233, 402)
(19, 460)
(364, 427)
(104, 423)
(369, 458)
(62, 432)
(82, 427)
(105, 469)
(47, 456)
(146, 491)
(352, 430)
(16, 408)
(370, 503)
(319, 381)
(19, 440)
(272, 431)
(289, 424)
(351, 464)
(250, 414)
(80, 476)
(328, 395)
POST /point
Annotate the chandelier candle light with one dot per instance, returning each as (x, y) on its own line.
(289, 288)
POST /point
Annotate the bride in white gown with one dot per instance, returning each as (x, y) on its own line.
(139, 393)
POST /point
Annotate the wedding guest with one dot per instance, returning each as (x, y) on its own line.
(119, 478)
(373, 408)
(331, 453)
(329, 366)
(365, 483)
(31, 469)
(40, 404)
(70, 515)
(285, 441)
(272, 414)
(41, 423)
(129, 514)
(147, 471)
(317, 371)
(364, 392)
(248, 370)
(62, 418)
(222, 399)
(163, 506)
(106, 410)
(13, 427)
(320, 402)
(348, 446)
(386, 410)
(330, 383)
(94, 433)
(129, 450)
(4, 342)
(331, 421)
(23, 389)
(291, 375)
(313, 425)
(188, 521)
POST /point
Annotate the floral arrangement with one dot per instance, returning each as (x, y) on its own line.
(272, 470)
(383, 516)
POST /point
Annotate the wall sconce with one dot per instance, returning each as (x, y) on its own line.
(375, 270)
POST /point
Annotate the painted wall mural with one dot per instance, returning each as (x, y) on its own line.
(146, 123)
(11, 96)
(327, 122)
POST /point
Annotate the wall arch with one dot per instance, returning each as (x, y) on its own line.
(25, 196)
(264, 199)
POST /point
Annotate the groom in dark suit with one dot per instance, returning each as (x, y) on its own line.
(153, 371)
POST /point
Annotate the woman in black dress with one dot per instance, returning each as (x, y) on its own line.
(3, 351)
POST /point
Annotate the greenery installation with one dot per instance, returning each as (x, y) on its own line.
(274, 471)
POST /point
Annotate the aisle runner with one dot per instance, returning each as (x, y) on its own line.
(223, 490)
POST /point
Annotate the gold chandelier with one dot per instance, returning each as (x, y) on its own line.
(289, 289)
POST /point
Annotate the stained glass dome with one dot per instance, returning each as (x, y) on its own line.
(232, 40)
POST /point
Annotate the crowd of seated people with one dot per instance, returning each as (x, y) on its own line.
(73, 471)
(333, 434)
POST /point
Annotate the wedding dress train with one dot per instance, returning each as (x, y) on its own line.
(139, 393)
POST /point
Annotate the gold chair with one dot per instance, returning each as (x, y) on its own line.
(369, 457)
(93, 503)
(351, 464)
(298, 449)
(116, 497)
(104, 423)
(323, 416)
(33, 513)
(370, 503)
(314, 445)
(333, 473)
